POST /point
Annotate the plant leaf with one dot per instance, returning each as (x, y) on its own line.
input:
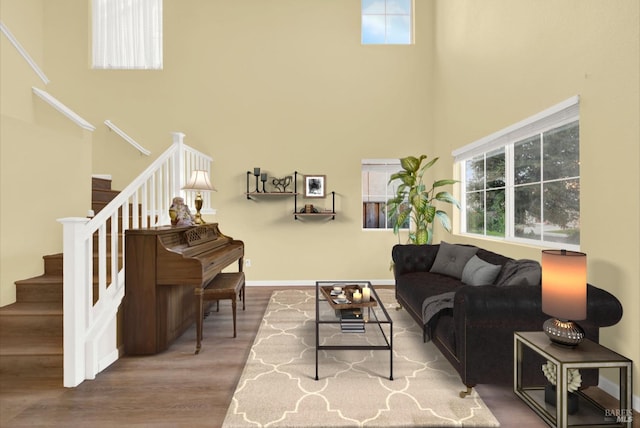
(441, 183)
(448, 197)
(444, 220)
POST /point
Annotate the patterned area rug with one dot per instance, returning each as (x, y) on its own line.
(278, 387)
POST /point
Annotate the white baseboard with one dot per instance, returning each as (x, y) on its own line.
(612, 389)
(312, 282)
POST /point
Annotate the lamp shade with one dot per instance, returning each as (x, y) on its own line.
(199, 180)
(564, 284)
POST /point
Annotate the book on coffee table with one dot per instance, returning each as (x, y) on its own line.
(351, 320)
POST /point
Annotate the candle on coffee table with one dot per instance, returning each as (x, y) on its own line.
(357, 296)
(366, 294)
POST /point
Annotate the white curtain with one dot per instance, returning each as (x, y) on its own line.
(127, 34)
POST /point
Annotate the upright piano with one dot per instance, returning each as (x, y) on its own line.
(163, 267)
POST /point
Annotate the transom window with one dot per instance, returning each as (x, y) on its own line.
(387, 22)
(376, 191)
(523, 183)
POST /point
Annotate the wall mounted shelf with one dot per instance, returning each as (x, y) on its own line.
(253, 195)
(297, 214)
(319, 214)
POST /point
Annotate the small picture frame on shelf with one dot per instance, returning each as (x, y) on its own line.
(315, 186)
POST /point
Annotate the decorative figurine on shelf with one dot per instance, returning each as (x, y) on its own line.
(281, 183)
(256, 172)
(179, 213)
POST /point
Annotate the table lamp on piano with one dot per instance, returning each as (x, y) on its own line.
(199, 182)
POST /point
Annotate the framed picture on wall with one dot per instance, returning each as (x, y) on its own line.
(315, 186)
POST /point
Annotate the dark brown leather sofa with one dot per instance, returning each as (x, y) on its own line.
(474, 330)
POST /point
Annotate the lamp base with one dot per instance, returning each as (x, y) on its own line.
(198, 217)
(566, 333)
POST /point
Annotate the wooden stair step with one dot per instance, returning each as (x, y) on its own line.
(103, 195)
(32, 357)
(100, 183)
(41, 345)
(43, 288)
(53, 264)
(28, 319)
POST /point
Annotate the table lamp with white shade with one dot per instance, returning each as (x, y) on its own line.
(199, 181)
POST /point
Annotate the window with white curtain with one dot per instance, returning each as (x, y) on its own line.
(523, 183)
(127, 34)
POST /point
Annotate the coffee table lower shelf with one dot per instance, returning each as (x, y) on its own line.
(376, 321)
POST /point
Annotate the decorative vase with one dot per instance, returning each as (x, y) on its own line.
(550, 398)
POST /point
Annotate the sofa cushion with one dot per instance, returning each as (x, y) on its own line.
(451, 259)
(479, 272)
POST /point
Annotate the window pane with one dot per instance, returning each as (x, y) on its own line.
(527, 211)
(373, 31)
(495, 169)
(475, 173)
(374, 216)
(374, 186)
(562, 152)
(392, 220)
(398, 30)
(527, 161)
(475, 212)
(495, 213)
(562, 211)
(376, 7)
(402, 7)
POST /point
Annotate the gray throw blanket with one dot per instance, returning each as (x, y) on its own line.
(434, 304)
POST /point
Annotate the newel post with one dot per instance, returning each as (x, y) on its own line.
(75, 283)
(179, 163)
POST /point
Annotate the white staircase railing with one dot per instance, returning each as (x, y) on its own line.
(90, 310)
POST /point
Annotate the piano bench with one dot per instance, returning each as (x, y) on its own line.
(226, 285)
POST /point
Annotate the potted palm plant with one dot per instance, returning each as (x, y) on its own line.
(413, 200)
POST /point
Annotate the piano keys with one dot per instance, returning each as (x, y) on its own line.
(163, 267)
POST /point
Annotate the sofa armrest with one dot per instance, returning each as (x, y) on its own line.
(413, 258)
(485, 318)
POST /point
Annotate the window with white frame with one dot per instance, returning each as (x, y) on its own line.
(523, 183)
(387, 22)
(376, 191)
(127, 34)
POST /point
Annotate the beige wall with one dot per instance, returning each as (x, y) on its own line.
(45, 160)
(285, 85)
(501, 61)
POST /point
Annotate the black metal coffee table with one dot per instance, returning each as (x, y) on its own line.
(352, 325)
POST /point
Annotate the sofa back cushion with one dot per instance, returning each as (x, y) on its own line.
(493, 258)
(413, 258)
(479, 272)
(451, 259)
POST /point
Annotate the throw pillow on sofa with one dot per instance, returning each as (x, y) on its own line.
(479, 272)
(451, 259)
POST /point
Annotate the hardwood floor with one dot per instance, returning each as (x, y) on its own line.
(177, 388)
